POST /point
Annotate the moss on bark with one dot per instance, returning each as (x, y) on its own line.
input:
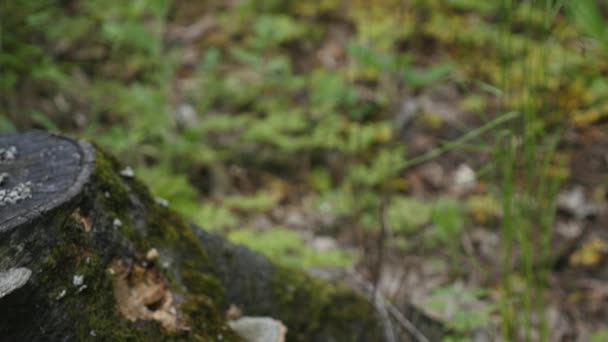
(183, 261)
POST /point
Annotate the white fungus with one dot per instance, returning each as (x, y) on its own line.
(127, 172)
(259, 329)
(78, 280)
(465, 178)
(20, 192)
(117, 223)
(61, 294)
(162, 202)
(8, 154)
(13, 279)
(152, 254)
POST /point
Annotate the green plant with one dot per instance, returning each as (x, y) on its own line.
(599, 336)
(289, 248)
(407, 215)
(464, 308)
(448, 223)
(259, 202)
(525, 153)
(6, 125)
(587, 15)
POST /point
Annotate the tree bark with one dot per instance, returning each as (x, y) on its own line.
(86, 253)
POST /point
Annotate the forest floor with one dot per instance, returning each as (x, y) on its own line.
(356, 135)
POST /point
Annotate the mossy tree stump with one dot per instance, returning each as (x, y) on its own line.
(86, 253)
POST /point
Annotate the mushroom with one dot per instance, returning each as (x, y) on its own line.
(13, 279)
(259, 329)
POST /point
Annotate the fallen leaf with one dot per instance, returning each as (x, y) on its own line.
(141, 294)
(590, 254)
(85, 220)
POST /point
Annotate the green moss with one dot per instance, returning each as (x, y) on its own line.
(163, 226)
(204, 284)
(92, 308)
(201, 312)
(322, 308)
(163, 229)
(111, 192)
(108, 180)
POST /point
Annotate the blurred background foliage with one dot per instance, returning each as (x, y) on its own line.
(282, 123)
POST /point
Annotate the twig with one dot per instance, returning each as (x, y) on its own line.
(451, 145)
(188, 34)
(384, 307)
(389, 331)
(376, 299)
(377, 272)
(407, 324)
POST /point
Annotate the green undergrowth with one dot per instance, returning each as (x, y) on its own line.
(289, 248)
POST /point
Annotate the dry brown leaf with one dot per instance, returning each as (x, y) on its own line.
(233, 312)
(86, 221)
(590, 254)
(141, 294)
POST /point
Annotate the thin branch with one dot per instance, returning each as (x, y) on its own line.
(451, 145)
(389, 331)
(383, 306)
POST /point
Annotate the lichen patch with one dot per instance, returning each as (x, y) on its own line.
(142, 294)
(8, 154)
(78, 280)
(20, 192)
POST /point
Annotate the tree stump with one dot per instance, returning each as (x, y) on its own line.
(86, 253)
(56, 167)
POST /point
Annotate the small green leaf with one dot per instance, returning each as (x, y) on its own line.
(6, 125)
(406, 214)
(448, 220)
(44, 121)
(289, 248)
(420, 78)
